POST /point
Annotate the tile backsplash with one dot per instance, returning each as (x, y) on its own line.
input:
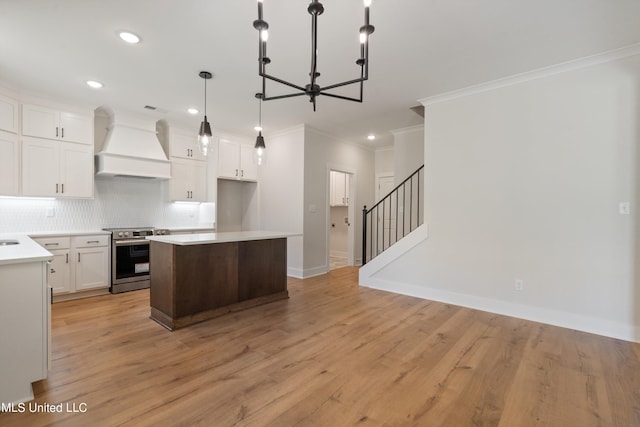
(118, 202)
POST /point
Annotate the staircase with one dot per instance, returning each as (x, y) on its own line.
(393, 217)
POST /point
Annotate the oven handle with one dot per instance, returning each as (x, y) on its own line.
(130, 242)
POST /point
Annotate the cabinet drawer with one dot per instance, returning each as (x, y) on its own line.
(90, 241)
(53, 242)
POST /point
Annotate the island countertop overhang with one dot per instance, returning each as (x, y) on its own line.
(221, 237)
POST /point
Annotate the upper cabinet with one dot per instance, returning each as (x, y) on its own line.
(188, 181)
(8, 114)
(236, 161)
(9, 164)
(56, 169)
(185, 146)
(44, 122)
(339, 189)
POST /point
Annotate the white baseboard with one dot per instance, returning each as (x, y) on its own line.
(537, 314)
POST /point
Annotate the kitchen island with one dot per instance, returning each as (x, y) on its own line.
(195, 277)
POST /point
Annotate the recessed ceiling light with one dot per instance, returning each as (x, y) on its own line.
(192, 110)
(94, 84)
(129, 37)
(371, 137)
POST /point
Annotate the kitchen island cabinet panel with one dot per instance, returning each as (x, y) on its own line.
(195, 282)
(267, 268)
(205, 288)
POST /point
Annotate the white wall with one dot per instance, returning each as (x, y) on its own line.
(384, 160)
(323, 152)
(408, 151)
(524, 182)
(282, 189)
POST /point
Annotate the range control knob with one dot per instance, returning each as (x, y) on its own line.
(126, 234)
(120, 234)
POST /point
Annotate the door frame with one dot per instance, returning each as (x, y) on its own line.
(351, 209)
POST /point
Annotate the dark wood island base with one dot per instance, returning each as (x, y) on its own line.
(196, 282)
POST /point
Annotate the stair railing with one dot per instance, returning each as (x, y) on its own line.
(393, 217)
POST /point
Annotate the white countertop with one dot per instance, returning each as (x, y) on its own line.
(26, 251)
(223, 237)
(67, 233)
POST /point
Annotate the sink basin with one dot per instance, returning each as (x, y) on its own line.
(9, 242)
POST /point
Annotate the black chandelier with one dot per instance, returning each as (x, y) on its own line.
(313, 89)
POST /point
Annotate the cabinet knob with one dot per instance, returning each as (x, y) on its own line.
(53, 271)
(56, 131)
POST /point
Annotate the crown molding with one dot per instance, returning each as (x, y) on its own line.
(409, 129)
(563, 67)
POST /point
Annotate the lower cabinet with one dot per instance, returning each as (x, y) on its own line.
(80, 264)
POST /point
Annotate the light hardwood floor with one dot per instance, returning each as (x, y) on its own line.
(334, 354)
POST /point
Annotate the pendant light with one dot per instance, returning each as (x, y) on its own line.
(204, 135)
(260, 147)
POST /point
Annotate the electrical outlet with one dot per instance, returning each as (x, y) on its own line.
(519, 285)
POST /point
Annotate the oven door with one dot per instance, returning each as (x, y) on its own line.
(130, 260)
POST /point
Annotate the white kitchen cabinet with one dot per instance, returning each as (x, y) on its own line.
(339, 189)
(80, 263)
(188, 180)
(45, 122)
(56, 169)
(236, 161)
(92, 268)
(60, 267)
(8, 114)
(9, 164)
(185, 146)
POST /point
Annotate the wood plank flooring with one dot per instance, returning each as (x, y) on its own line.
(334, 354)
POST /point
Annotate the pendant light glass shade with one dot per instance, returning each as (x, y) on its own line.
(204, 135)
(260, 148)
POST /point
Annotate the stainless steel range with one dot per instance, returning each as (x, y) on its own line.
(130, 257)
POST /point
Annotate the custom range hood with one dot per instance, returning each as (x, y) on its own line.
(128, 146)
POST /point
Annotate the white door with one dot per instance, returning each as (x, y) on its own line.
(40, 121)
(180, 180)
(8, 114)
(9, 164)
(248, 165)
(228, 160)
(75, 128)
(59, 271)
(199, 181)
(40, 164)
(92, 270)
(76, 170)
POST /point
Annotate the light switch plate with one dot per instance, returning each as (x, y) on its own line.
(624, 208)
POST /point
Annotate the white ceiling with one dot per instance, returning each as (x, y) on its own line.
(420, 48)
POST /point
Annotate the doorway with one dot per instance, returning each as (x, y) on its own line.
(340, 215)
